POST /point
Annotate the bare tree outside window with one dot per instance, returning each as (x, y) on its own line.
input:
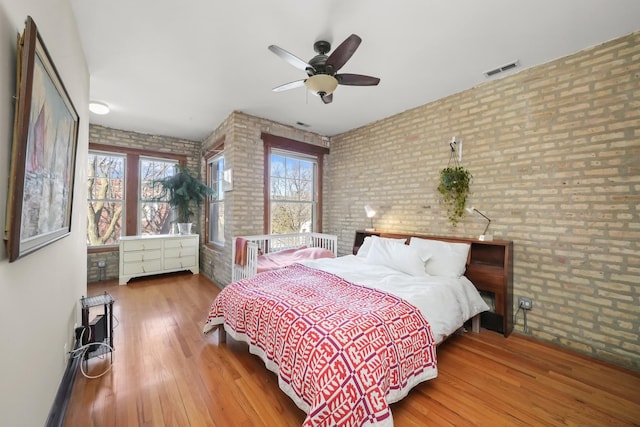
(108, 207)
(155, 216)
(292, 191)
(105, 181)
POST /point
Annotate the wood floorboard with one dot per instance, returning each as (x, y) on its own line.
(165, 372)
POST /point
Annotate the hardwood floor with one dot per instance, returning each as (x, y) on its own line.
(167, 373)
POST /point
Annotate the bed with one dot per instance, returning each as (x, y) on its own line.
(348, 336)
(255, 254)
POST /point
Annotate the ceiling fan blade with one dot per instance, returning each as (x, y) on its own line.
(290, 85)
(342, 53)
(356, 80)
(290, 58)
(327, 98)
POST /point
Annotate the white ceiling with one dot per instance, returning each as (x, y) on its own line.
(179, 68)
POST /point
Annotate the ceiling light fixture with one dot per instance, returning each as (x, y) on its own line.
(99, 108)
(321, 84)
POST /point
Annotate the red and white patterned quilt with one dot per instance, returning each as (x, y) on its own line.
(342, 352)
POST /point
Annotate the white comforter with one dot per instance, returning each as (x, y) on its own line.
(445, 302)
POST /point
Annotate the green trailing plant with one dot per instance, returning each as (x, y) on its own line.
(182, 190)
(454, 189)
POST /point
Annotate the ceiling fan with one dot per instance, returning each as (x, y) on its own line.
(322, 69)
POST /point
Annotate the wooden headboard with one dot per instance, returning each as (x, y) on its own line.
(489, 267)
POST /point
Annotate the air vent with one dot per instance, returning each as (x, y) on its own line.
(501, 69)
(304, 125)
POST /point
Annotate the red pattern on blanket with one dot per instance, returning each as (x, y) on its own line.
(342, 352)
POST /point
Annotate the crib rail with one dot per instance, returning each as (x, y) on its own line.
(267, 243)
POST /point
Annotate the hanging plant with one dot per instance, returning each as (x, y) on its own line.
(454, 189)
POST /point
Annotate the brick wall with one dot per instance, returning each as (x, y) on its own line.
(244, 205)
(555, 157)
(139, 141)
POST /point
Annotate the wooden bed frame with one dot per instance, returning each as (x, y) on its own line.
(489, 267)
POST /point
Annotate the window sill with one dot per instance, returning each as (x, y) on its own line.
(214, 247)
(95, 250)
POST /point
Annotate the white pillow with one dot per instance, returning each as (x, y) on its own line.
(447, 259)
(398, 256)
(366, 244)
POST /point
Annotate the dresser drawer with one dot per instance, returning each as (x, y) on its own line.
(133, 268)
(181, 243)
(141, 245)
(179, 252)
(180, 262)
(140, 256)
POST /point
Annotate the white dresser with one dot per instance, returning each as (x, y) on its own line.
(146, 255)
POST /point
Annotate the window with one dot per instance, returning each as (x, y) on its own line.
(215, 177)
(121, 198)
(155, 217)
(106, 177)
(292, 183)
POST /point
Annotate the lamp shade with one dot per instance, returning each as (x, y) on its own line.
(321, 84)
(370, 212)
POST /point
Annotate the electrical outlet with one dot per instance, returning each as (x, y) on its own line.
(525, 303)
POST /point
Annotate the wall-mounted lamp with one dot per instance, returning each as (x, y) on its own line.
(484, 236)
(370, 214)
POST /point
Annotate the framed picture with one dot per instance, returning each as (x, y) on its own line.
(43, 154)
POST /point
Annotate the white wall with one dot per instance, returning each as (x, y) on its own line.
(39, 293)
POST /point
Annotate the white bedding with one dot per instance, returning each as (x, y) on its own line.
(445, 302)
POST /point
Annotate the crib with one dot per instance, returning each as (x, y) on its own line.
(270, 243)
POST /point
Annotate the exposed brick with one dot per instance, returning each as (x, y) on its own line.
(554, 152)
(126, 139)
(554, 156)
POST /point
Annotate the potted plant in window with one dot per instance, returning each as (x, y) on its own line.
(454, 189)
(182, 190)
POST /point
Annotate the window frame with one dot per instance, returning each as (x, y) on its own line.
(217, 149)
(279, 143)
(140, 202)
(122, 200)
(293, 155)
(220, 200)
(131, 185)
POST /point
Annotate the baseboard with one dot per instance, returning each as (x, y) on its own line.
(63, 396)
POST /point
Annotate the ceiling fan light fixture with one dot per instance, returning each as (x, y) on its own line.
(321, 84)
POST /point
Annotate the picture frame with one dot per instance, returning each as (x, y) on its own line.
(43, 154)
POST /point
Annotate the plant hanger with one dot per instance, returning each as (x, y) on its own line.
(454, 186)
